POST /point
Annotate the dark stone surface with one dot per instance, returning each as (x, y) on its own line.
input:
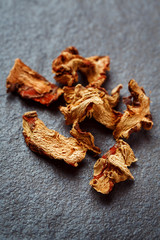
(44, 199)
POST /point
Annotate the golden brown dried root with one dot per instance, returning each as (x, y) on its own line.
(49, 142)
(86, 138)
(91, 102)
(112, 167)
(29, 84)
(69, 62)
(137, 114)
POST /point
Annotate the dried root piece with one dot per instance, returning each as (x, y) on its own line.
(97, 74)
(91, 102)
(86, 138)
(112, 167)
(49, 142)
(137, 114)
(29, 84)
(69, 62)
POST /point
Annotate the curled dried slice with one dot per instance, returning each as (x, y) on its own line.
(49, 142)
(86, 138)
(137, 114)
(96, 75)
(29, 84)
(66, 65)
(91, 102)
(115, 94)
(112, 167)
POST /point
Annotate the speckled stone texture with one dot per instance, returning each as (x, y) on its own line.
(46, 199)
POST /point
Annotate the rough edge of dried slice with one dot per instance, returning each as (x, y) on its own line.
(66, 65)
(50, 143)
(113, 99)
(86, 138)
(112, 168)
(31, 85)
(137, 114)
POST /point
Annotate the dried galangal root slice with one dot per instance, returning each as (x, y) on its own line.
(91, 102)
(112, 167)
(50, 143)
(137, 114)
(66, 65)
(29, 84)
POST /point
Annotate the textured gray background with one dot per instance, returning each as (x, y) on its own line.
(44, 199)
